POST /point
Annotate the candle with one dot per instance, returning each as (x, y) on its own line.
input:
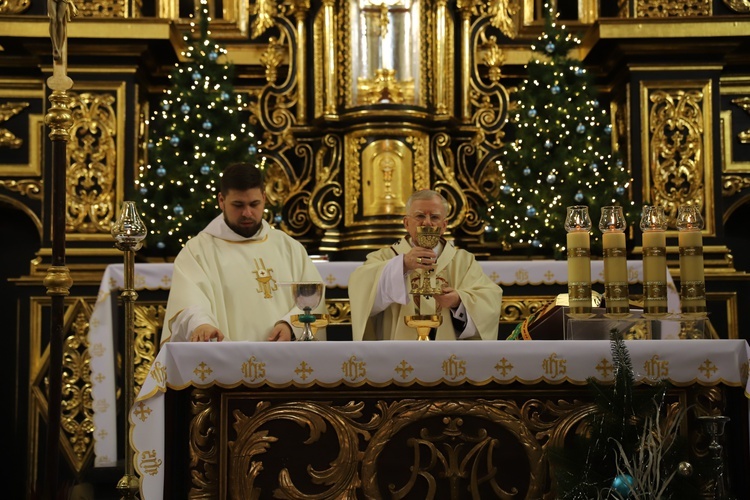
(692, 278)
(615, 273)
(579, 272)
(692, 275)
(654, 273)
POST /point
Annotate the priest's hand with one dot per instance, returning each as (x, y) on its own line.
(206, 333)
(448, 299)
(282, 332)
(419, 258)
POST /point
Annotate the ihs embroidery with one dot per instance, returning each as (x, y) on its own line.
(266, 282)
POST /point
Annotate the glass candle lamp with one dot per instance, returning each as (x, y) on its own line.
(613, 224)
(692, 274)
(654, 226)
(578, 226)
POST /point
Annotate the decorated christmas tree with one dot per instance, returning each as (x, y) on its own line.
(560, 151)
(198, 128)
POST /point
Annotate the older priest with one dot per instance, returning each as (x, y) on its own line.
(470, 304)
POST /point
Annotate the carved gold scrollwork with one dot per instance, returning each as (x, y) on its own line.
(339, 311)
(325, 211)
(738, 5)
(744, 103)
(204, 447)
(7, 111)
(147, 325)
(676, 149)
(14, 6)
(341, 475)
(733, 184)
(517, 309)
(92, 158)
(503, 16)
(32, 189)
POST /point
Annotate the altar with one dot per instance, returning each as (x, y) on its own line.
(352, 419)
(516, 277)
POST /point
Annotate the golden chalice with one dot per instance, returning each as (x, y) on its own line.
(423, 289)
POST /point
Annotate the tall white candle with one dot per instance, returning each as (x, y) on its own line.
(655, 272)
(579, 272)
(692, 274)
(615, 272)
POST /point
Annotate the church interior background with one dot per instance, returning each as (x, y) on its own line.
(341, 133)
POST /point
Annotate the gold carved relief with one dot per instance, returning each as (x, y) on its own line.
(103, 8)
(673, 8)
(13, 6)
(677, 149)
(95, 151)
(325, 211)
(7, 111)
(386, 177)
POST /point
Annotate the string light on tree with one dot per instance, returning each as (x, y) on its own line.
(199, 127)
(560, 153)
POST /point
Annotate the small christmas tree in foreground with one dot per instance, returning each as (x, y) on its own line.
(560, 154)
(629, 447)
(199, 128)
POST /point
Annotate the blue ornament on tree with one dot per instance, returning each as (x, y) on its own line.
(213, 56)
(178, 210)
(143, 190)
(530, 211)
(550, 48)
(174, 141)
(161, 171)
(207, 125)
(551, 178)
(581, 128)
(608, 129)
(224, 96)
(507, 189)
(532, 113)
(618, 163)
(160, 245)
(252, 149)
(555, 89)
(488, 229)
(595, 103)
(580, 71)
(196, 76)
(623, 484)
(594, 167)
(536, 244)
(277, 219)
(165, 106)
(578, 197)
(185, 108)
(205, 169)
(526, 171)
(150, 145)
(548, 144)
(620, 190)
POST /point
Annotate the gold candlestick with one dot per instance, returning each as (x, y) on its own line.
(578, 225)
(613, 224)
(692, 274)
(654, 225)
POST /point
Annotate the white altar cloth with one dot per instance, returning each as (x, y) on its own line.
(335, 274)
(408, 363)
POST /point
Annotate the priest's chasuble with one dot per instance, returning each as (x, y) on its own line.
(455, 267)
(240, 285)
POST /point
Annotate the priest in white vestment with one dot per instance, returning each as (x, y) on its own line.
(231, 281)
(379, 290)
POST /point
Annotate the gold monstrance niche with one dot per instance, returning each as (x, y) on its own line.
(377, 95)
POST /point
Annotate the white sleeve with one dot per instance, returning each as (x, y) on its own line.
(187, 320)
(391, 286)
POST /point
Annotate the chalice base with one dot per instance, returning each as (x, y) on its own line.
(318, 321)
(423, 324)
